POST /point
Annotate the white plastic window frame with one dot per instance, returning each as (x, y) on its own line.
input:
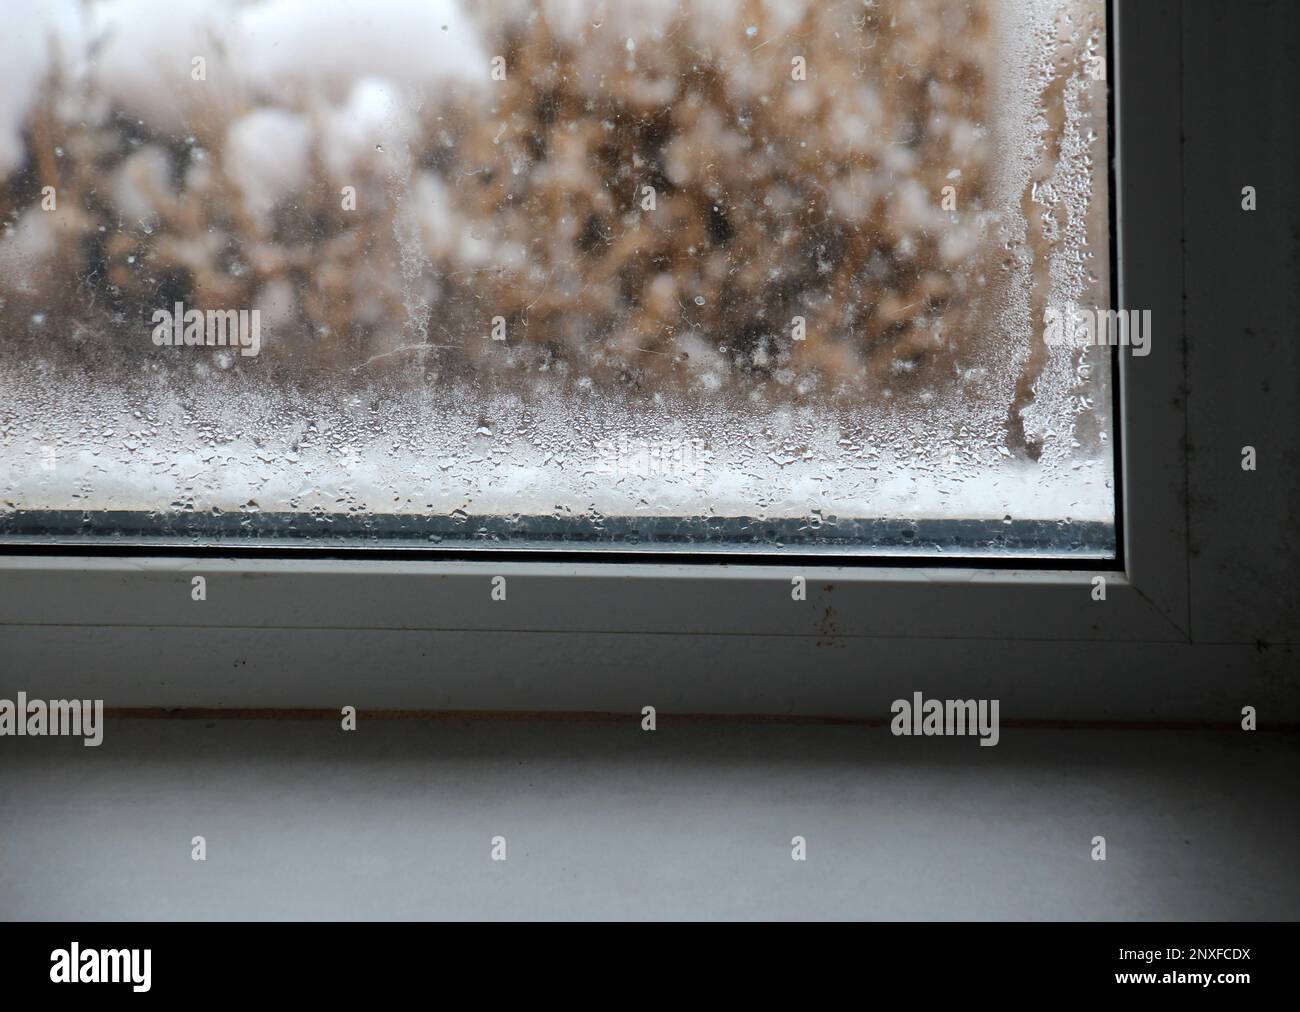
(63, 613)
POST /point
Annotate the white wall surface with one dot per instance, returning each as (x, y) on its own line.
(603, 820)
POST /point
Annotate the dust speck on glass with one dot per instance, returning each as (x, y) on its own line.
(759, 276)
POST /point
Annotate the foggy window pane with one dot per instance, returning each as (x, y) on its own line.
(750, 275)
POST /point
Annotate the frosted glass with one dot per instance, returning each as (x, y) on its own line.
(722, 275)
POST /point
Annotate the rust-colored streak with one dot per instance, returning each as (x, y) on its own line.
(607, 717)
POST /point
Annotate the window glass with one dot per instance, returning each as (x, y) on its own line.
(750, 275)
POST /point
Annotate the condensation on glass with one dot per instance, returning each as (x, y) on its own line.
(750, 275)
